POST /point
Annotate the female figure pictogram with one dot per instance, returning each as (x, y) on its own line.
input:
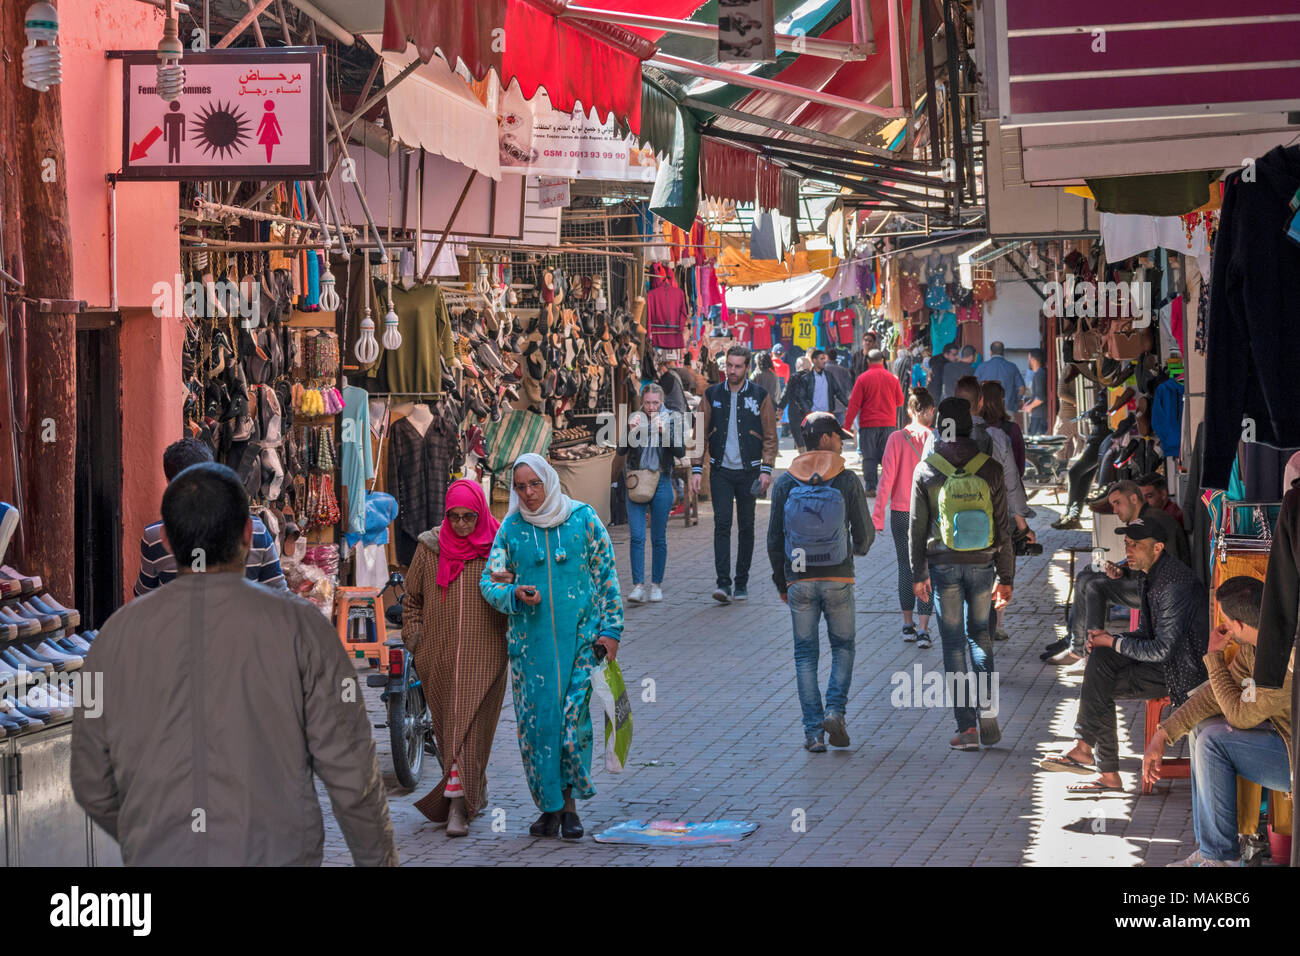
(268, 131)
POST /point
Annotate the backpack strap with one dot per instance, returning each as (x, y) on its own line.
(976, 463)
(942, 465)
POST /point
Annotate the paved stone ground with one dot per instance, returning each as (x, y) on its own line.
(721, 739)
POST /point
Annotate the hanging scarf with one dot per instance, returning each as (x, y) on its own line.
(453, 550)
(557, 507)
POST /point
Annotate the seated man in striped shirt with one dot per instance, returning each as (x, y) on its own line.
(158, 564)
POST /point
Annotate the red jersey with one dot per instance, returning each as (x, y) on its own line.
(875, 400)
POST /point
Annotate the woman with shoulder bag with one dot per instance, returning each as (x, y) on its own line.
(655, 439)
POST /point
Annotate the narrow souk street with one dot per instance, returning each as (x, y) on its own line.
(721, 740)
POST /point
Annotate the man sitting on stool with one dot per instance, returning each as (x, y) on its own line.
(1238, 729)
(1096, 591)
(1161, 658)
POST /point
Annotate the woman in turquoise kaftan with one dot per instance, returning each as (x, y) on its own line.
(562, 550)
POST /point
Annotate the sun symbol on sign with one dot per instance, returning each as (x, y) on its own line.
(221, 129)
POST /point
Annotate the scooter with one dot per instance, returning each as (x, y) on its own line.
(410, 726)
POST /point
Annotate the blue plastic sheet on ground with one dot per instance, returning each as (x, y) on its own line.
(677, 833)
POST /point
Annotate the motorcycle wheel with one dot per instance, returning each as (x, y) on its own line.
(408, 725)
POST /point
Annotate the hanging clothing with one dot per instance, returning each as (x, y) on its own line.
(1167, 417)
(1253, 340)
(425, 325)
(552, 644)
(358, 457)
(419, 471)
(459, 652)
(668, 314)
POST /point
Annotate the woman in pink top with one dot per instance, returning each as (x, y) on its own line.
(902, 455)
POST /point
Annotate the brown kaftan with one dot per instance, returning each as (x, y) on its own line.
(460, 657)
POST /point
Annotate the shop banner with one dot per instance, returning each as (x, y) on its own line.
(552, 193)
(539, 140)
(256, 114)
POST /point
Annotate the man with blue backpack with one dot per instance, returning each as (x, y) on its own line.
(962, 556)
(819, 520)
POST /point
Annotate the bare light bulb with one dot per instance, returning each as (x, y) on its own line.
(329, 297)
(367, 349)
(171, 75)
(42, 61)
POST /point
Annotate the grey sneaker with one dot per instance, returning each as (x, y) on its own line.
(923, 640)
(740, 595)
(966, 740)
(814, 745)
(1195, 858)
(909, 634)
(722, 595)
(990, 732)
(834, 727)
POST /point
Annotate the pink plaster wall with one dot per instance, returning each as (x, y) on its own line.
(148, 245)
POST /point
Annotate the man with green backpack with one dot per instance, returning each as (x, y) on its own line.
(961, 550)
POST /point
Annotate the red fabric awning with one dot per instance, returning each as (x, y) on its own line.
(729, 172)
(575, 61)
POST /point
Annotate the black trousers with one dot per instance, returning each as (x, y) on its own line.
(1085, 468)
(728, 486)
(1109, 677)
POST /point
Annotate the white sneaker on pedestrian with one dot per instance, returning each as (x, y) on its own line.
(636, 595)
(1195, 859)
(656, 593)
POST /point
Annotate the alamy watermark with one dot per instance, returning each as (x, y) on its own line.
(1076, 298)
(637, 430)
(922, 688)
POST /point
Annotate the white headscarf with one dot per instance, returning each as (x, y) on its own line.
(557, 507)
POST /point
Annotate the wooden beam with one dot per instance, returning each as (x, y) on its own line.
(257, 27)
(242, 25)
(50, 439)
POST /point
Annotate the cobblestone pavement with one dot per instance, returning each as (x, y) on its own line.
(718, 736)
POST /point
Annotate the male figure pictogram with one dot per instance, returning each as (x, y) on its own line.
(173, 125)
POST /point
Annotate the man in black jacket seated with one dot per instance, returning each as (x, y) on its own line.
(1163, 657)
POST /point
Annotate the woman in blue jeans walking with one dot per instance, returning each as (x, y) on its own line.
(655, 439)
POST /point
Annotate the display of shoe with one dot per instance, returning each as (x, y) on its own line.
(21, 626)
(8, 524)
(19, 661)
(46, 700)
(29, 585)
(60, 660)
(636, 595)
(47, 605)
(14, 725)
(656, 593)
(50, 622)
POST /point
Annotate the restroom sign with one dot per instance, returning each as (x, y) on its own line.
(243, 114)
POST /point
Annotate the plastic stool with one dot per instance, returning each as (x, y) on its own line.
(1173, 768)
(360, 604)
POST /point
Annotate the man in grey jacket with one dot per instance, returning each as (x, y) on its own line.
(963, 587)
(220, 699)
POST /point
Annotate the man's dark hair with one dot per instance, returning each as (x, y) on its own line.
(968, 351)
(875, 355)
(920, 401)
(996, 348)
(1037, 356)
(1153, 480)
(968, 387)
(181, 454)
(1240, 598)
(814, 353)
(205, 510)
(951, 347)
(764, 361)
(741, 351)
(1125, 487)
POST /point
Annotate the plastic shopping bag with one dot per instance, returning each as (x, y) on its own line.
(609, 689)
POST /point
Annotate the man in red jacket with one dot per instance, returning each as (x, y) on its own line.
(873, 409)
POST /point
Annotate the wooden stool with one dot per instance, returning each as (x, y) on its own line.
(359, 604)
(1173, 768)
(690, 501)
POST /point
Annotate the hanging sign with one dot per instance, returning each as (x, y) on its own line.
(746, 31)
(257, 114)
(552, 193)
(539, 140)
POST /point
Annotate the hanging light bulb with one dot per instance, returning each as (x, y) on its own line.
(171, 75)
(1032, 259)
(367, 349)
(392, 337)
(329, 297)
(42, 61)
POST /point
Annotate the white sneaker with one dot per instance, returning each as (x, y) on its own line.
(1195, 859)
(656, 593)
(637, 595)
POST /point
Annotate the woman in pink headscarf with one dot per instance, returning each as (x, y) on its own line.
(459, 645)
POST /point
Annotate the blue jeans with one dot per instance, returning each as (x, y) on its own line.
(1220, 754)
(658, 506)
(809, 600)
(964, 596)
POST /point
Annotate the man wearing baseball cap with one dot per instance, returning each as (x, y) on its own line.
(1163, 657)
(818, 508)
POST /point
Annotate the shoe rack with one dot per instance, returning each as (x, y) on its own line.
(42, 653)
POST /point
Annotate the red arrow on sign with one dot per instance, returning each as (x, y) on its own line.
(140, 149)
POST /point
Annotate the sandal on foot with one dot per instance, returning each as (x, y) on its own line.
(1091, 787)
(1066, 764)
